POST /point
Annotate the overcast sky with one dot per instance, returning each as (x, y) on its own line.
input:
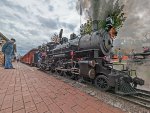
(32, 22)
(138, 19)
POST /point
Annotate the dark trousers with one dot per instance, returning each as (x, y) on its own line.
(120, 59)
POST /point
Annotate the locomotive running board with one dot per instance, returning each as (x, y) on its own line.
(73, 70)
(62, 69)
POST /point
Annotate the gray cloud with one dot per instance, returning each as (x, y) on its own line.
(50, 8)
(55, 23)
(71, 4)
(68, 25)
(13, 6)
(47, 1)
(33, 32)
(138, 19)
(48, 22)
(12, 26)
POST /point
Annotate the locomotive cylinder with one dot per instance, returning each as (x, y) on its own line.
(92, 73)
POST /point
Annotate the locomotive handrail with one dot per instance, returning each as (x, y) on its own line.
(58, 53)
(87, 50)
(109, 64)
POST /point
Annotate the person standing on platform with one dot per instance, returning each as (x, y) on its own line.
(132, 54)
(18, 58)
(39, 58)
(120, 55)
(8, 49)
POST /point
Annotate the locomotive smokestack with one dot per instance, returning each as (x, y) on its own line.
(95, 25)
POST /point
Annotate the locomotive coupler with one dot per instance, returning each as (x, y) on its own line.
(138, 81)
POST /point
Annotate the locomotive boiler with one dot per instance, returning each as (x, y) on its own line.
(83, 58)
(99, 39)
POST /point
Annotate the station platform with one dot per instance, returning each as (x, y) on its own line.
(27, 90)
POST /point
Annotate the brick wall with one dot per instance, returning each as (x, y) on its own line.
(1, 58)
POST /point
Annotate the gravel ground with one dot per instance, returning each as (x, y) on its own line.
(105, 96)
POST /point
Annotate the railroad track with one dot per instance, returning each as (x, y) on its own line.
(137, 100)
(142, 98)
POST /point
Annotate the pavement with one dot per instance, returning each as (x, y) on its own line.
(27, 90)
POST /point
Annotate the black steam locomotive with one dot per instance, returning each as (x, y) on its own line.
(83, 58)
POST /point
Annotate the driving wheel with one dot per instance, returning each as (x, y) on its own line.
(102, 83)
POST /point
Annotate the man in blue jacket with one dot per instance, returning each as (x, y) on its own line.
(8, 49)
(120, 55)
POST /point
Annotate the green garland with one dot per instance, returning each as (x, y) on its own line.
(116, 13)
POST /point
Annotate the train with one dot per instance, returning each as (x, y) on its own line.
(83, 58)
(31, 57)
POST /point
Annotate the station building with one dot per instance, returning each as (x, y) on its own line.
(3, 40)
